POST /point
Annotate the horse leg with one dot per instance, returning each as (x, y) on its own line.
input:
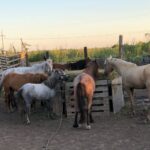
(27, 113)
(130, 92)
(147, 111)
(91, 118)
(49, 105)
(75, 125)
(7, 101)
(89, 101)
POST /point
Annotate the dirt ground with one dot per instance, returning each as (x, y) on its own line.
(114, 132)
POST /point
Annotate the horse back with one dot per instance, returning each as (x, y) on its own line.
(87, 82)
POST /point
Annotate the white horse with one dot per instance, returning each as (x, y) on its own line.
(44, 67)
(39, 92)
(133, 76)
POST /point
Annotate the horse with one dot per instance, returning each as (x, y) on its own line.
(44, 67)
(84, 87)
(39, 92)
(61, 66)
(80, 64)
(133, 76)
(13, 81)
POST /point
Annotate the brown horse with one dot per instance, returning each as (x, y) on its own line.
(61, 66)
(13, 81)
(84, 87)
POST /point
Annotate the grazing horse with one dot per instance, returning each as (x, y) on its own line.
(44, 67)
(39, 92)
(133, 76)
(84, 87)
(13, 81)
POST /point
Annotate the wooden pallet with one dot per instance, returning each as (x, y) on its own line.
(141, 99)
(100, 100)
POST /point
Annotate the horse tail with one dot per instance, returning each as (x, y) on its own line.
(81, 97)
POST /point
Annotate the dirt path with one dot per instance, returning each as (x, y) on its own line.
(116, 132)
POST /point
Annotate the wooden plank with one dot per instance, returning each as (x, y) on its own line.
(104, 94)
(101, 88)
(102, 82)
(14, 60)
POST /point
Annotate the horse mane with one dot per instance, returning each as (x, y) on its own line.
(92, 69)
(116, 60)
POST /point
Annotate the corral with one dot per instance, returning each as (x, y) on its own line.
(110, 131)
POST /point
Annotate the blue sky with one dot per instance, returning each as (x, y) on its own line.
(73, 23)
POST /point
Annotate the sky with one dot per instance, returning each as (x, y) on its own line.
(55, 24)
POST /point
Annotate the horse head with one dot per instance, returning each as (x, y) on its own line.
(92, 68)
(108, 66)
(59, 74)
(48, 66)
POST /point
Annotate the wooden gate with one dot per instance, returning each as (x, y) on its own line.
(100, 100)
(9, 61)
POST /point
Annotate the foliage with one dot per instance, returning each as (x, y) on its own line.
(132, 53)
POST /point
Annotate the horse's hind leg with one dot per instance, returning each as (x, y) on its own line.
(75, 125)
(91, 118)
(27, 113)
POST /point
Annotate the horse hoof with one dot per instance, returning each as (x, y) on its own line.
(87, 127)
(75, 126)
(28, 123)
(91, 121)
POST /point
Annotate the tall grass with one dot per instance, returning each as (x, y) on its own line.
(131, 53)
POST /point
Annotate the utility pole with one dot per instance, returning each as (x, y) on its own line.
(2, 36)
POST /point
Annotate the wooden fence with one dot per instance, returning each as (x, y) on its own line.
(100, 100)
(11, 61)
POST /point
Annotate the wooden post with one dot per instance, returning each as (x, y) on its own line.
(85, 53)
(120, 46)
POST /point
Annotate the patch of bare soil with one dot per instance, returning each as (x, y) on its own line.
(115, 132)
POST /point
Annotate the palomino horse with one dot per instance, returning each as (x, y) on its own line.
(13, 81)
(84, 87)
(39, 92)
(133, 76)
(44, 67)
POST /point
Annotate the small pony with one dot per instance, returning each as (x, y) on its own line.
(44, 67)
(84, 87)
(39, 92)
(13, 81)
(133, 76)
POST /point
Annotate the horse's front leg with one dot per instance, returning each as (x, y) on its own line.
(130, 93)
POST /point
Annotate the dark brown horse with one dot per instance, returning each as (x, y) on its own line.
(84, 87)
(61, 66)
(78, 65)
(13, 81)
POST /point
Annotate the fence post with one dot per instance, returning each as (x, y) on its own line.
(121, 46)
(85, 53)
